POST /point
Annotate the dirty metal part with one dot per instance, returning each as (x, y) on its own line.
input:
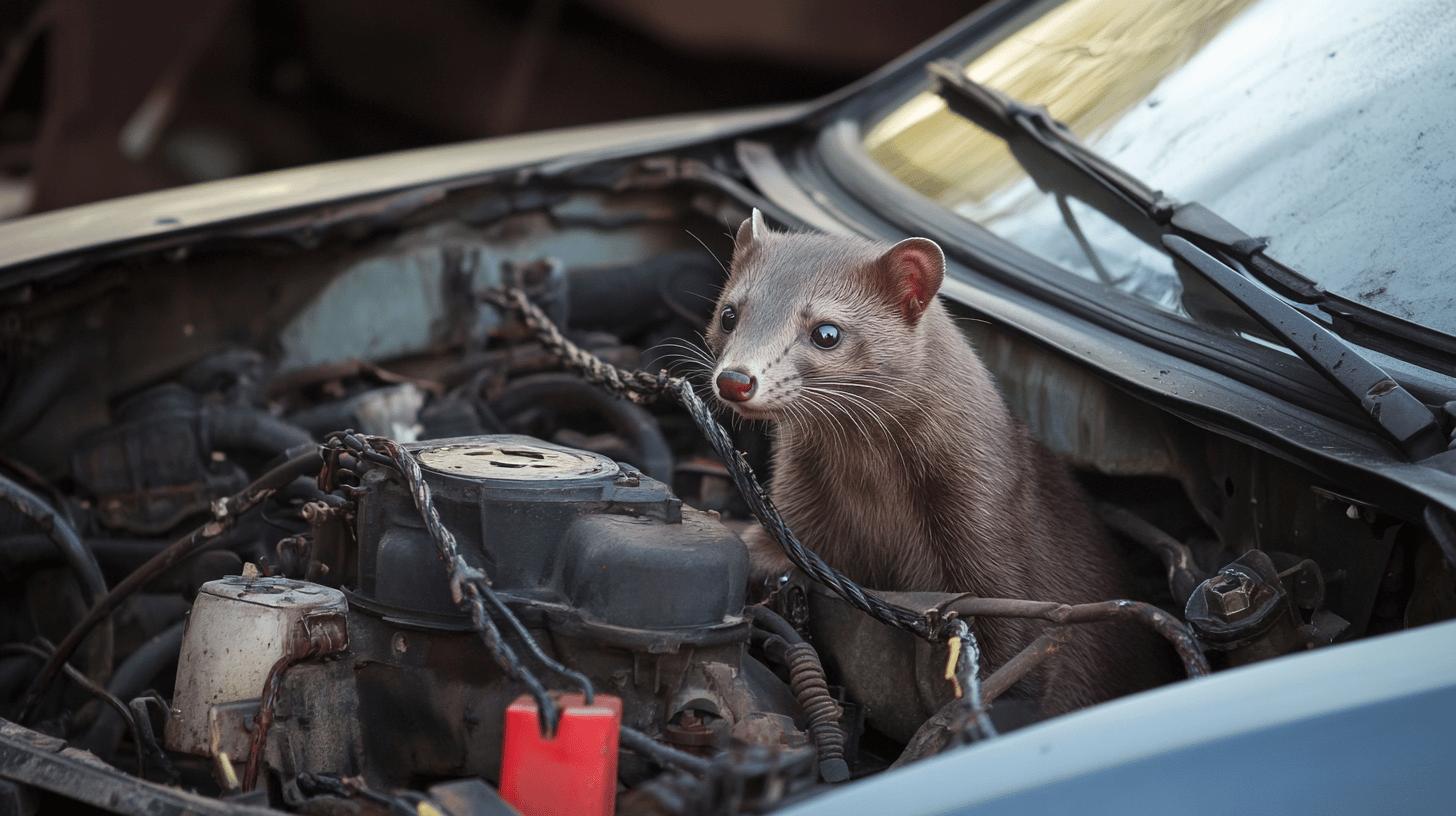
(225, 514)
(1239, 601)
(697, 732)
(469, 797)
(240, 631)
(516, 460)
(46, 763)
(319, 634)
(752, 779)
(1246, 612)
(587, 515)
(1183, 573)
(439, 692)
(438, 309)
(666, 635)
(767, 728)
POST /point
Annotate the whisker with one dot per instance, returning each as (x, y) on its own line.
(871, 412)
(709, 251)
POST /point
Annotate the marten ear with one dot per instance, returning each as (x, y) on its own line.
(912, 271)
(750, 232)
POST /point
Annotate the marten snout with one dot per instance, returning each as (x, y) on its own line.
(736, 385)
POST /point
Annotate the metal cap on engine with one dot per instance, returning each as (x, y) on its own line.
(516, 459)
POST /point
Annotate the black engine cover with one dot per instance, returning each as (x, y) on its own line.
(587, 541)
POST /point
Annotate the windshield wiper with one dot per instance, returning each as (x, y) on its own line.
(1030, 130)
(1206, 242)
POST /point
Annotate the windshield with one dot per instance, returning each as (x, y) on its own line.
(1324, 126)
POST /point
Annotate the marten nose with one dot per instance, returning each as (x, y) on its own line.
(736, 386)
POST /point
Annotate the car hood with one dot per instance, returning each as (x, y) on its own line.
(166, 213)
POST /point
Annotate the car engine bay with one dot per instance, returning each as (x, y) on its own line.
(310, 649)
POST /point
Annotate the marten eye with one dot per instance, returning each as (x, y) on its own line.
(728, 318)
(825, 335)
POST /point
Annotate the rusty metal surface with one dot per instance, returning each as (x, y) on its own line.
(46, 763)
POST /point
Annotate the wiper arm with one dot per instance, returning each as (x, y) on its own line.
(1080, 170)
(1195, 234)
(1404, 420)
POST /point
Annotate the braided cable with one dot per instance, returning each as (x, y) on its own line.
(642, 387)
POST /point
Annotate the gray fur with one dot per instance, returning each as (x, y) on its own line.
(914, 475)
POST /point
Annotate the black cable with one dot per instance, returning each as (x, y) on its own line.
(582, 682)
(774, 622)
(80, 558)
(88, 685)
(664, 755)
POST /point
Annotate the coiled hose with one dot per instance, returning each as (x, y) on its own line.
(811, 690)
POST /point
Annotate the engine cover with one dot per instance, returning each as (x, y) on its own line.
(605, 567)
(589, 542)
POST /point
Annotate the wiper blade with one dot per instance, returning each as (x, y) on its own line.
(1196, 235)
(1080, 170)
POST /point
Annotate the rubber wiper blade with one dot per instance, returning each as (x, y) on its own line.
(1401, 418)
(1080, 171)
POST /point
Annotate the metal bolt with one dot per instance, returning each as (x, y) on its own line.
(1228, 595)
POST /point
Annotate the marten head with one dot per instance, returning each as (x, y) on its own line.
(821, 329)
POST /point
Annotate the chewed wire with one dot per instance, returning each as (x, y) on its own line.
(968, 673)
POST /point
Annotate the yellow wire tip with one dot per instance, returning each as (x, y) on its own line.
(229, 774)
(950, 665)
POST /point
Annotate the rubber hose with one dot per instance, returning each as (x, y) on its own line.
(100, 613)
(81, 560)
(774, 622)
(806, 679)
(250, 429)
(567, 392)
(133, 675)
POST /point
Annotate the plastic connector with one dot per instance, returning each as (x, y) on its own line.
(573, 773)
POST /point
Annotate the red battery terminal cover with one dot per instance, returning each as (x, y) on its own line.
(571, 774)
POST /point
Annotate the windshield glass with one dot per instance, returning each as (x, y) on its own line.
(1325, 126)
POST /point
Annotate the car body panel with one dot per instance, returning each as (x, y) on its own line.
(173, 212)
(1354, 729)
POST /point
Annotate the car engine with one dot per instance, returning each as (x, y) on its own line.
(296, 517)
